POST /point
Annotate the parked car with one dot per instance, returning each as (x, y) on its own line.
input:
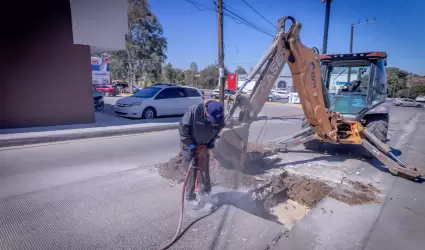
(420, 99)
(215, 94)
(99, 104)
(106, 89)
(406, 102)
(158, 100)
(281, 93)
(272, 97)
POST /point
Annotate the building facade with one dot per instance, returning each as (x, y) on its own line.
(46, 58)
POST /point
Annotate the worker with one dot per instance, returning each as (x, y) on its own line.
(200, 125)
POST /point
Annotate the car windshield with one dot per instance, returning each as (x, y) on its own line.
(147, 92)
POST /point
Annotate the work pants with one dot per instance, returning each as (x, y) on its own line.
(199, 172)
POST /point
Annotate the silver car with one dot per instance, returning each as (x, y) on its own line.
(407, 102)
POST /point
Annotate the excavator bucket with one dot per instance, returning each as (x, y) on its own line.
(231, 147)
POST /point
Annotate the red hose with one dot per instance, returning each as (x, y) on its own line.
(173, 240)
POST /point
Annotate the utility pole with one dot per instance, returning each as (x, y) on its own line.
(237, 55)
(220, 50)
(325, 34)
(352, 38)
(352, 31)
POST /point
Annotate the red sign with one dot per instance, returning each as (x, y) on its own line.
(231, 81)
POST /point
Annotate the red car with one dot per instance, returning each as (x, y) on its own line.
(106, 90)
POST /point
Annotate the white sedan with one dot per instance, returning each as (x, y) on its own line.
(282, 94)
(158, 100)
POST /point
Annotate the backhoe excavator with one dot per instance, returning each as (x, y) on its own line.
(351, 114)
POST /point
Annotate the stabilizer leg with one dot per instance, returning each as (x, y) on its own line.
(383, 153)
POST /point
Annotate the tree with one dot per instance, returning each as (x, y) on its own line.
(193, 67)
(180, 77)
(191, 75)
(396, 80)
(240, 71)
(168, 73)
(145, 45)
(209, 76)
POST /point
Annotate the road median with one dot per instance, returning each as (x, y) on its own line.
(21, 139)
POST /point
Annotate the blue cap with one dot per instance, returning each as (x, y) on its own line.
(215, 112)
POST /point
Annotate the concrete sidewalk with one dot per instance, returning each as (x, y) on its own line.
(104, 126)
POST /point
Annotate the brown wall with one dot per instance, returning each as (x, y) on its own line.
(45, 79)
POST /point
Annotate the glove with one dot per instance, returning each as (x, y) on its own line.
(192, 148)
(211, 144)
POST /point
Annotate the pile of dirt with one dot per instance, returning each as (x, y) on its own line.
(360, 194)
(303, 190)
(226, 177)
(308, 191)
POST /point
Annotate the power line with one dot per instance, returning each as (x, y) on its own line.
(247, 23)
(394, 17)
(274, 26)
(235, 17)
(200, 4)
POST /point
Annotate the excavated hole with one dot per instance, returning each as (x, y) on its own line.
(284, 198)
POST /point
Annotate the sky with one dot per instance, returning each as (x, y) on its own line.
(191, 31)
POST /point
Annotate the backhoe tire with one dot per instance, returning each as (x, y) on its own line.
(378, 126)
(314, 145)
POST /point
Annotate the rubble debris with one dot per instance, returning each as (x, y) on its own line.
(272, 190)
(303, 190)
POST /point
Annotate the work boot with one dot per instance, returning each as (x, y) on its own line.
(194, 204)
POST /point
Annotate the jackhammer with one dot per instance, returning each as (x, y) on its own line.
(198, 163)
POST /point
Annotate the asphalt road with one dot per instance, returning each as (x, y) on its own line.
(105, 194)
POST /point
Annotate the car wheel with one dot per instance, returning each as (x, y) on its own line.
(106, 93)
(269, 99)
(149, 113)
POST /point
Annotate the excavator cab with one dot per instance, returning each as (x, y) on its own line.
(356, 84)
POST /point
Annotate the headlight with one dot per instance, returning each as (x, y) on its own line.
(135, 104)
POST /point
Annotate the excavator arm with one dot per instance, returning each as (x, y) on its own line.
(304, 64)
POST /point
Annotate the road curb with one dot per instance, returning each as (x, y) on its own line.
(293, 105)
(22, 139)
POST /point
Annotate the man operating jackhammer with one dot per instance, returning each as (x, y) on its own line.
(199, 127)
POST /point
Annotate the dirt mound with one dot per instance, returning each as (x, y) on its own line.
(219, 175)
(360, 194)
(308, 191)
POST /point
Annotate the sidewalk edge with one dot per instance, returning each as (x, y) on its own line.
(87, 134)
